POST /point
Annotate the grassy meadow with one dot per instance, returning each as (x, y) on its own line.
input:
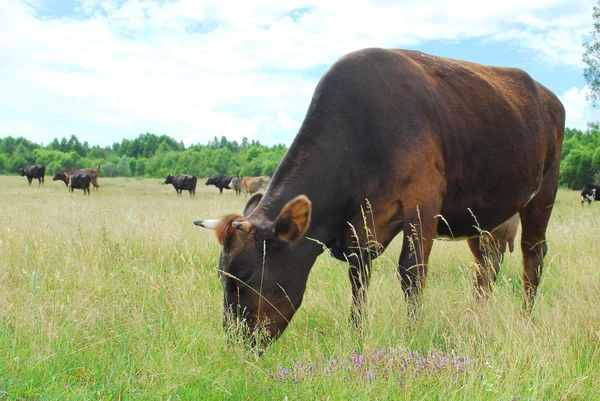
(116, 297)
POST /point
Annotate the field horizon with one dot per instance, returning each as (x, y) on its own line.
(115, 296)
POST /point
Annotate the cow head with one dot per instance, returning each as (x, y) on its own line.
(211, 181)
(236, 183)
(22, 172)
(61, 176)
(262, 268)
(168, 180)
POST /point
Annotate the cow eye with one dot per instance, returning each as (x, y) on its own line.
(241, 273)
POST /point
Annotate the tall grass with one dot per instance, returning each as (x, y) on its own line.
(116, 296)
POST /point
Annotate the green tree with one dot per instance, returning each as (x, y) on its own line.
(591, 57)
(19, 159)
(123, 168)
(109, 169)
(8, 146)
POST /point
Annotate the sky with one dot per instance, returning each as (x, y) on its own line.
(105, 70)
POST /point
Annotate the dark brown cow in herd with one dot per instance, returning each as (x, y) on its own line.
(439, 148)
(222, 182)
(34, 172)
(77, 180)
(182, 182)
(92, 172)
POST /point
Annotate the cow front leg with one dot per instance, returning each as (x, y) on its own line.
(359, 273)
(419, 231)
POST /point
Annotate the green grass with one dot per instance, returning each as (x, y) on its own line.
(116, 297)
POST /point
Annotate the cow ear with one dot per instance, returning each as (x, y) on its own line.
(294, 219)
(252, 203)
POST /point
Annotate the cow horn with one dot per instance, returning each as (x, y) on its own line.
(212, 224)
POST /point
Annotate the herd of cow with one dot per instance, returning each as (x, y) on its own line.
(81, 178)
(75, 178)
(247, 185)
(432, 147)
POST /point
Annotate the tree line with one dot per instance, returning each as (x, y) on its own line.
(580, 158)
(151, 155)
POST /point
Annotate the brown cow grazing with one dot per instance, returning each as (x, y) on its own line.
(94, 173)
(252, 185)
(438, 147)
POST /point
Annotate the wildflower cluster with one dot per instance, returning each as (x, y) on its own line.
(385, 364)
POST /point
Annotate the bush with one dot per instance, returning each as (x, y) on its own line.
(123, 168)
(109, 169)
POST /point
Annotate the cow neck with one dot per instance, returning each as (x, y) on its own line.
(306, 169)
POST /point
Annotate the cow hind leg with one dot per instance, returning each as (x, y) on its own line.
(487, 263)
(534, 220)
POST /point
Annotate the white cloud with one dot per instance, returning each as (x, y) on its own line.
(286, 122)
(196, 69)
(579, 111)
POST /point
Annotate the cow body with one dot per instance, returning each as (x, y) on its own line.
(80, 180)
(221, 182)
(590, 193)
(34, 172)
(430, 146)
(251, 185)
(182, 182)
(94, 173)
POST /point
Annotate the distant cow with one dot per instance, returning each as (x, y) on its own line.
(252, 185)
(590, 193)
(236, 183)
(92, 172)
(221, 182)
(182, 182)
(78, 180)
(33, 172)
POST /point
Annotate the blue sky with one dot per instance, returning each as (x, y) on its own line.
(194, 69)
